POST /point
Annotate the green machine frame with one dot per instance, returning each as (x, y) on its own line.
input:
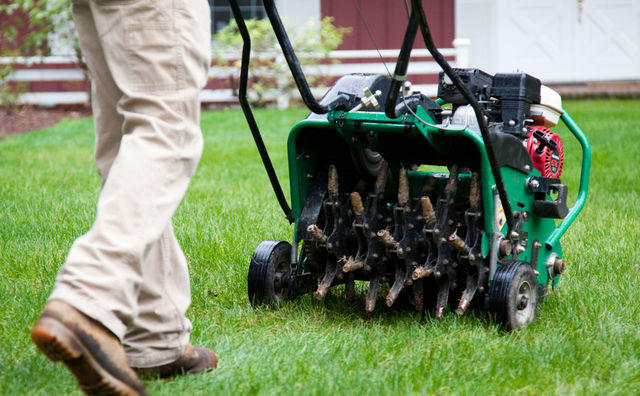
(546, 234)
(513, 223)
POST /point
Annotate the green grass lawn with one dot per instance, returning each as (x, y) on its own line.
(586, 339)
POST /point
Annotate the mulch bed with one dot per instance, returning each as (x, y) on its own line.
(30, 118)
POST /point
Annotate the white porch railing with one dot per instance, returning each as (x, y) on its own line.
(55, 80)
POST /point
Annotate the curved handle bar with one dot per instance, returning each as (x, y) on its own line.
(482, 123)
(248, 113)
(292, 59)
(400, 73)
(584, 181)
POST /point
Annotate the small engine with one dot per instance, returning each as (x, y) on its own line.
(516, 104)
(546, 151)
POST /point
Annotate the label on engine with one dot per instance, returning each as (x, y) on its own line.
(554, 163)
(501, 219)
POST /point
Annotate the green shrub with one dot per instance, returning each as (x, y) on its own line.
(269, 76)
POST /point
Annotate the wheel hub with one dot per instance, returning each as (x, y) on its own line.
(524, 309)
(522, 304)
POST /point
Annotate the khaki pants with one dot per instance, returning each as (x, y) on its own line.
(148, 60)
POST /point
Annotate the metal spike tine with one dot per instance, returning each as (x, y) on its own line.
(443, 298)
(394, 292)
(418, 296)
(427, 211)
(321, 292)
(403, 187)
(352, 265)
(474, 190)
(387, 240)
(467, 296)
(356, 204)
(420, 273)
(350, 289)
(381, 180)
(463, 306)
(333, 186)
(453, 179)
(372, 295)
(458, 243)
(323, 287)
(316, 233)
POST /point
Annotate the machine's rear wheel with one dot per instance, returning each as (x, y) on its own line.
(513, 296)
(267, 271)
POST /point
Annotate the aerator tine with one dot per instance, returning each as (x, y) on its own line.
(429, 216)
(357, 262)
(469, 250)
(377, 216)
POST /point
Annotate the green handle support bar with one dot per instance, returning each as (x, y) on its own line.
(584, 181)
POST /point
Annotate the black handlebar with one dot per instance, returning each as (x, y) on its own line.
(292, 59)
(417, 19)
(341, 102)
(479, 112)
(400, 73)
(544, 141)
(248, 113)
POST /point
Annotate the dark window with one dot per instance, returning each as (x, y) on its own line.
(221, 12)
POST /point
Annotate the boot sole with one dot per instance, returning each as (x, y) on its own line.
(58, 343)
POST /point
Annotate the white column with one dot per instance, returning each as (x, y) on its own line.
(299, 12)
(462, 51)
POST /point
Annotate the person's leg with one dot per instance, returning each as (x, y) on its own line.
(106, 119)
(155, 330)
(158, 54)
(92, 352)
(160, 331)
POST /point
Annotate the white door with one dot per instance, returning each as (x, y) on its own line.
(554, 40)
(607, 40)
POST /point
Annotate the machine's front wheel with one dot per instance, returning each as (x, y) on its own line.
(269, 266)
(513, 295)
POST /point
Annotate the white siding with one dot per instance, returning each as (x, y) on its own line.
(298, 12)
(555, 40)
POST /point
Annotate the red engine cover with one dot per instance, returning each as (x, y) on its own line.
(546, 151)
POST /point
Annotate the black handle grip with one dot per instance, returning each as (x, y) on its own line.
(545, 141)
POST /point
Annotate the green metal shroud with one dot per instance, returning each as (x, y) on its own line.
(375, 130)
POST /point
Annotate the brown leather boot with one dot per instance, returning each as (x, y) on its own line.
(193, 360)
(92, 353)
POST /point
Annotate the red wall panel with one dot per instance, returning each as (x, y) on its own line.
(387, 21)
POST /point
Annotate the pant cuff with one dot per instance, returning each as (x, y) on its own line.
(90, 308)
(154, 358)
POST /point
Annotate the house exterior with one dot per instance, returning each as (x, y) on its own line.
(558, 41)
(555, 40)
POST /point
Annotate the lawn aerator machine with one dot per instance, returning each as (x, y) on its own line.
(482, 229)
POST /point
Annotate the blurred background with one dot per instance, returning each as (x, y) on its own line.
(583, 48)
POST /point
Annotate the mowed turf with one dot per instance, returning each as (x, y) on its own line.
(585, 340)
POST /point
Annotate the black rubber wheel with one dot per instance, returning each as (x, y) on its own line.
(513, 295)
(268, 267)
